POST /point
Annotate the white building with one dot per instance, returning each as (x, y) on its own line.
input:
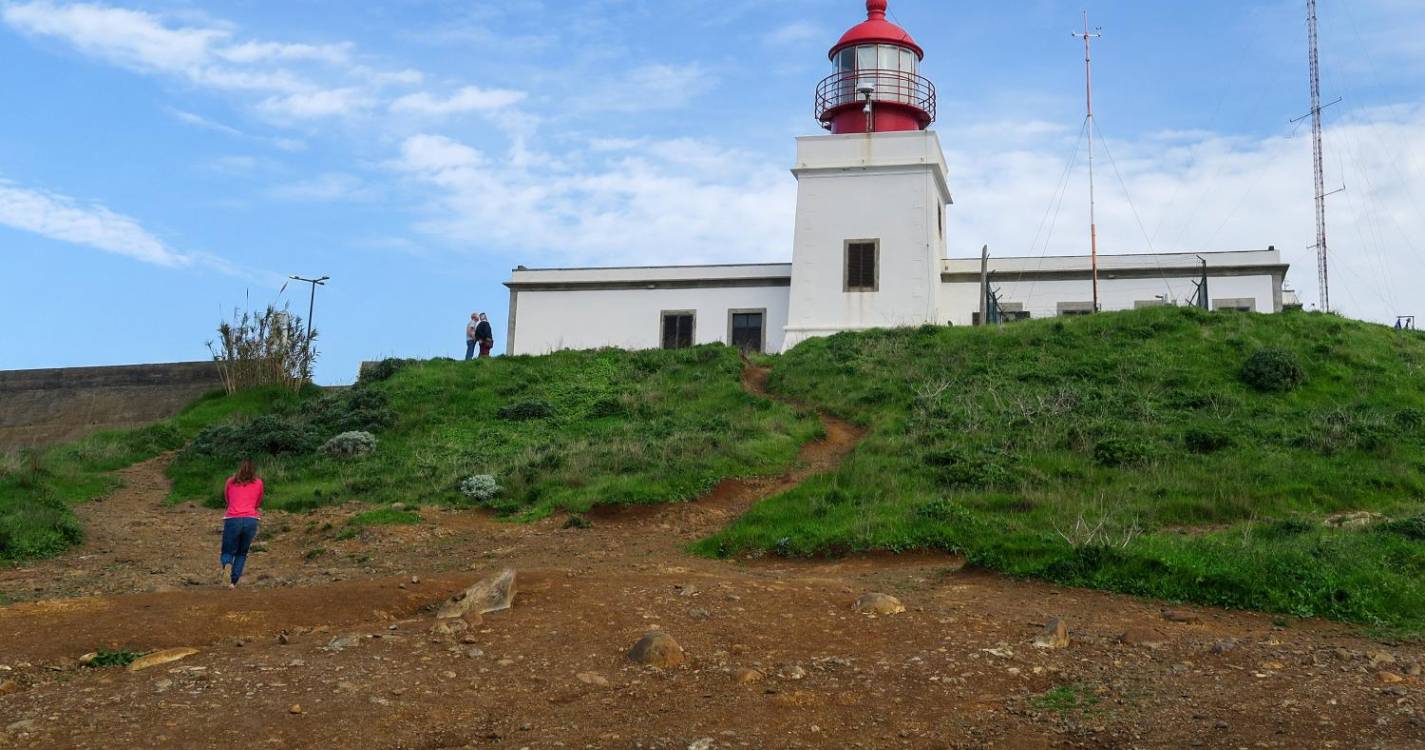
(869, 248)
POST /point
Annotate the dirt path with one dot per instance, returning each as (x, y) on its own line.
(345, 635)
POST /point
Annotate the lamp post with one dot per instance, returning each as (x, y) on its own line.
(311, 309)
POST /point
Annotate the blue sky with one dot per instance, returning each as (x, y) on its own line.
(164, 162)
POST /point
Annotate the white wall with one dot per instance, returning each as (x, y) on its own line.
(547, 321)
(1040, 298)
(889, 187)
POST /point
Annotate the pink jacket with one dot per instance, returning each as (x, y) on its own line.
(243, 499)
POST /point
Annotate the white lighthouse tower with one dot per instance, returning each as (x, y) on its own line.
(869, 245)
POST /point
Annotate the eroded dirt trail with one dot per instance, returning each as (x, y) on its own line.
(332, 646)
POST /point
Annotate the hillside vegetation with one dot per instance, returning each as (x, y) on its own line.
(1166, 452)
(562, 432)
(39, 487)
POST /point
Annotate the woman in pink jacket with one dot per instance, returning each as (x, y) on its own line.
(244, 496)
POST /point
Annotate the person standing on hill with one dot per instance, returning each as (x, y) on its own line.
(243, 494)
(470, 336)
(485, 335)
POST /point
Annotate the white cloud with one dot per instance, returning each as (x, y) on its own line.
(467, 99)
(314, 105)
(795, 32)
(128, 37)
(653, 202)
(326, 188)
(259, 52)
(60, 217)
(646, 88)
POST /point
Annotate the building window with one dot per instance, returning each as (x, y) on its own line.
(1075, 308)
(678, 329)
(1239, 304)
(862, 259)
(747, 330)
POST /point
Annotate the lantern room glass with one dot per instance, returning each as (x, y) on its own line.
(883, 59)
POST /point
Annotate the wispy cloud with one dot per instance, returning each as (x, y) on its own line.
(795, 32)
(327, 188)
(467, 99)
(60, 217)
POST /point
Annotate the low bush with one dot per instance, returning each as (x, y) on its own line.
(480, 488)
(381, 371)
(354, 444)
(1118, 451)
(1207, 439)
(525, 411)
(1272, 371)
(1411, 527)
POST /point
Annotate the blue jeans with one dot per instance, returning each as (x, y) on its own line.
(470, 349)
(238, 534)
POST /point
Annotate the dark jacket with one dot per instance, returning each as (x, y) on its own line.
(484, 332)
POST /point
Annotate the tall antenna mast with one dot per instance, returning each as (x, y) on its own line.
(1323, 278)
(1089, 35)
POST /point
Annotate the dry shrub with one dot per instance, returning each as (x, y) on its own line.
(266, 348)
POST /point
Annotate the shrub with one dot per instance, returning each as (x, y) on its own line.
(1412, 527)
(954, 467)
(947, 512)
(480, 488)
(1117, 451)
(352, 444)
(1207, 439)
(608, 406)
(1286, 527)
(106, 658)
(1272, 371)
(263, 348)
(40, 527)
(352, 409)
(382, 370)
(525, 411)
(267, 434)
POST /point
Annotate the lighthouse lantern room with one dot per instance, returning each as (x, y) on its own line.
(875, 84)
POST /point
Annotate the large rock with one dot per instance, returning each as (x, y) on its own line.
(1139, 635)
(490, 595)
(1055, 635)
(159, 658)
(878, 604)
(1352, 520)
(657, 649)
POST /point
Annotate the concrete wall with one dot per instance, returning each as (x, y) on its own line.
(886, 188)
(554, 309)
(40, 407)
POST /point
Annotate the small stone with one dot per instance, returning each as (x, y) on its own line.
(158, 658)
(1223, 646)
(1055, 635)
(1389, 678)
(1182, 616)
(1352, 520)
(592, 678)
(1381, 657)
(878, 604)
(295, 709)
(697, 613)
(1142, 636)
(703, 743)
(657, 649)
(1274, 666)
(398, 506)
(449, 627)
(449, 675)
(8, 686)
(794, 672)
(24, 725)
(415, 579)
(88, 658)
(747, 676)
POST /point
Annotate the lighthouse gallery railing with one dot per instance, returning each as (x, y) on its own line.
(840, 89)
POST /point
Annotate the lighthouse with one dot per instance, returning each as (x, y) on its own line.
(869, 243)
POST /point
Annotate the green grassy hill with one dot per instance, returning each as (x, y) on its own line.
(1136, 452)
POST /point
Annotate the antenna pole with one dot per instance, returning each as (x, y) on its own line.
(1089, 35)
(1323, 277)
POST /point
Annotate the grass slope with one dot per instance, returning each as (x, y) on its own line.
(1123, 451)
(560, 432)
(38, 488)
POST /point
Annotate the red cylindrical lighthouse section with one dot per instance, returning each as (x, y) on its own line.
(875, 86)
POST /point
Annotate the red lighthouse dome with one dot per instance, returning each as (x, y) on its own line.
(875, 86)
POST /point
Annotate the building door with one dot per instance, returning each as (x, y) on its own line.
(677, 330)
(747, 330)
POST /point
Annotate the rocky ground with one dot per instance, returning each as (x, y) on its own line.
(335, 644)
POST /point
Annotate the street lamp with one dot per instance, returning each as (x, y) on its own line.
(311, 308)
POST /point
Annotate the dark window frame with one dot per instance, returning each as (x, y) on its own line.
(762, 311)
(663, 316)
(875, 285)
